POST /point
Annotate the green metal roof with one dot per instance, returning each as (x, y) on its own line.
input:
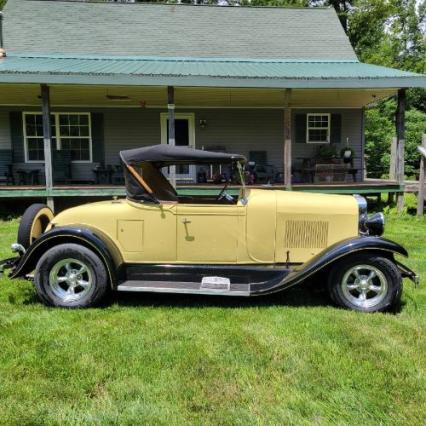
(216, 72)
(141, 29)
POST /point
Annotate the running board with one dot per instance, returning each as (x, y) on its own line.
(205, 287)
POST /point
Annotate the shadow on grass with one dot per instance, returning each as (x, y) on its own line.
(296, 296)
(307, 295)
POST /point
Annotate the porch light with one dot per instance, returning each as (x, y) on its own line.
(203, 124)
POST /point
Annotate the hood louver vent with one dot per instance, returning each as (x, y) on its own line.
(305, 234)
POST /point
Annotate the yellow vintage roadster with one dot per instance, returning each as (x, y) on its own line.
(259, 242)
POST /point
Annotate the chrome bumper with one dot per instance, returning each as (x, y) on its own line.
(9, 263)
(408, 273)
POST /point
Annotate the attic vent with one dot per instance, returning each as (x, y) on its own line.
(305, 234)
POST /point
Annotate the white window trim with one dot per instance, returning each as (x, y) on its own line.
(57, 136)
(179, 115)
(313, 128)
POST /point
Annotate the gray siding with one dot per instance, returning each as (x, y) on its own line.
(351, 128)
(238, 130)
(129, 128)
(5, 140)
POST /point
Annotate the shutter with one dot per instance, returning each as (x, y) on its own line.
(336, 129)
(17, 136)
(300, 128)
(98, 148)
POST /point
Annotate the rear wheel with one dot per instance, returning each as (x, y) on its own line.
(366, 283)
(71, 276)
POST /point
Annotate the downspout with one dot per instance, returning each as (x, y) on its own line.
(2, 49)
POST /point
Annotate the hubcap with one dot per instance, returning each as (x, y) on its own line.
(70, 280)
(364, 286)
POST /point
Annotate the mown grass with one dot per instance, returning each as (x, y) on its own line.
(189, 360)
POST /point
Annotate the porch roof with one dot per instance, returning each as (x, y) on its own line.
(201, 72)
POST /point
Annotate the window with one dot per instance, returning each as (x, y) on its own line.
(318, 128)
(70, 131)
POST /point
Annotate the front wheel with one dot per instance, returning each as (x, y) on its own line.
(71, 276)
(367, 283)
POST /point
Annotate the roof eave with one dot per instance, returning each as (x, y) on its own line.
(210, 81)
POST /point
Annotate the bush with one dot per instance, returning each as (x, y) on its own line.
(379, 131)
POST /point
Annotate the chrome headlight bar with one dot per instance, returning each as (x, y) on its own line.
(369, 225)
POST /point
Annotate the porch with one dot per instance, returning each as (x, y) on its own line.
(293, 138)
(373, 187)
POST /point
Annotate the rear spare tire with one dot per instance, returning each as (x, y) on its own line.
(33, 223)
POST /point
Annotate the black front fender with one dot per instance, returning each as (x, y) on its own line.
(91, 238)
(328, 256)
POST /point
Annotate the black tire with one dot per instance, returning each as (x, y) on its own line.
(387, 278)
(54, 293)
(33, 223)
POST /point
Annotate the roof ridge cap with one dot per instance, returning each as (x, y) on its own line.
(155, 4)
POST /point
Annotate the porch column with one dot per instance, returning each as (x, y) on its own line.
(400, 142)
(171, 119)
(287, 148)
(47, 139)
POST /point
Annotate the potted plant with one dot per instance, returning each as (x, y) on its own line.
(347, 153)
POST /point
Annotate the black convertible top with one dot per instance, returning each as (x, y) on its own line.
(168, 155)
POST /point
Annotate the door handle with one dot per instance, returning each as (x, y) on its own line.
(185, 221)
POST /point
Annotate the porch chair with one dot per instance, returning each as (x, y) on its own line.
(61, 162)
(323, 173)
(339, 172)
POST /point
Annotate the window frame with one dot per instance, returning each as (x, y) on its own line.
(316, 114)
(57, 136)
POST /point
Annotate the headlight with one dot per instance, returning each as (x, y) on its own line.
(375, 224)
(369, 225)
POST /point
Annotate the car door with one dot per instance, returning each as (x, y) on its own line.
(209, 233)
(146, 232)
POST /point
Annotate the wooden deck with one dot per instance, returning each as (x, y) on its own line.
(367, 187)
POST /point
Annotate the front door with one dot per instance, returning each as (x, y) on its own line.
(209, 233)
(184, 136)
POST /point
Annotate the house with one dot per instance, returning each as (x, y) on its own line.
(271, 83)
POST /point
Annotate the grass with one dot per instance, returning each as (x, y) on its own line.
(150, 359)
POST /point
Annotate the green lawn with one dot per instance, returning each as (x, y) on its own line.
(150, 359)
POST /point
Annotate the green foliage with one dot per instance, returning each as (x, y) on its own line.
(326, 152)
(379, 131)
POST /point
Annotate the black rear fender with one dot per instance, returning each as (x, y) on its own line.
(328, 257)
(86, 236)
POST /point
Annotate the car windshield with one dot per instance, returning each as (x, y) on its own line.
(146, 182)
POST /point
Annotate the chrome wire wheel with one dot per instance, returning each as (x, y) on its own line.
(70, 280)
(364, 286)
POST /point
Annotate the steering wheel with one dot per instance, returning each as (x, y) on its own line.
(222, 193)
